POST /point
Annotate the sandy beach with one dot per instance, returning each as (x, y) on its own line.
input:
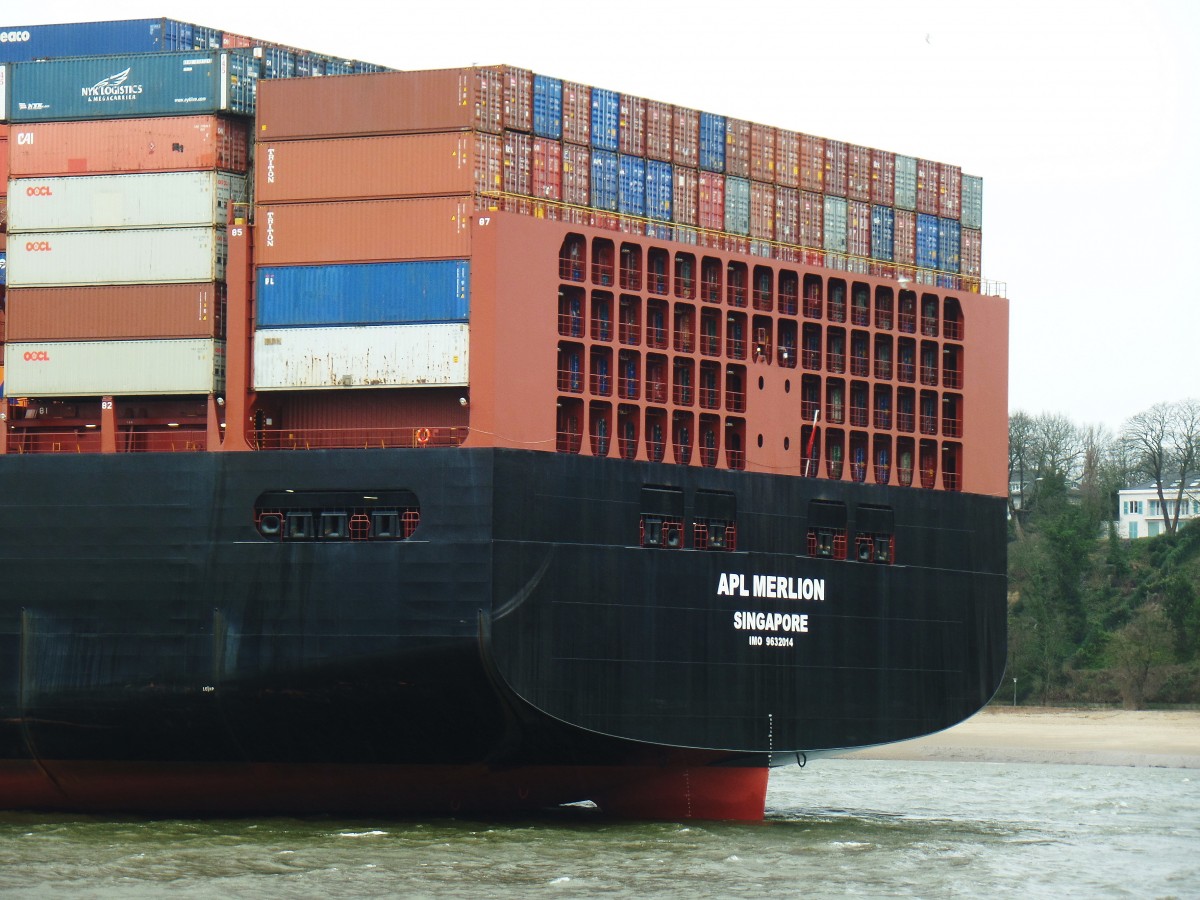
(1105, 737)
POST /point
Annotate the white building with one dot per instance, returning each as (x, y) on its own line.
(1142, 514)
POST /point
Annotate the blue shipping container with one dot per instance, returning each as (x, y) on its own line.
(604, 180)
(631, 185)
(737, 205)
(883, 232)
(154, 84)
(927, 241)
(606, 116)
(393, 293)
(712, 142)
(949, 244)
(3, 267)
(547, 107)
(660, 190)
(835, 224)
(104, 38)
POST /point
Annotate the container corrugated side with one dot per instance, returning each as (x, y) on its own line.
(972, 201)
(787, 158)
(905, 247)
(115, 146)
(906, 182)
(29, 42)
(384, 103)
(154, 84)
(632, 127)
(711, 187)
(685, 142)
(577, 113)
(737, 205)
(787, 215)
(737, 148)
(604, 180)
(858, 174)
(288, 234)
(133, 256)
(161, 199)
(972, 252)
(3, 92)
(518, 163)
(762, 211)
(360, 168)
(835, 224)
(950, 179)
(101, 368)
(949, 244)
(115, 312)
(712, 142)
(858, 228)
(928, 194)
(659, 116)
(631, 185)
(4, 267)
(606, 117)
(518, 98)
(576, 175)
(365, 357)
(883, 232)
(837, 167)
(685, 197)
(762, 153)
(812, 163)
(547, 107)
(660, 187)
(883, 177)
(4, 165)
(547, 168)
(812, 220)
(927, 241)
(364, 294)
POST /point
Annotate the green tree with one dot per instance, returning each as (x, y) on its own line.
(1139, 652)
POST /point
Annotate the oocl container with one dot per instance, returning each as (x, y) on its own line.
(156, 84)
(133, 256)
(101, 368)
(113, 146)
(363, 357)
(163, 199)
(115, 312)
(367, 294)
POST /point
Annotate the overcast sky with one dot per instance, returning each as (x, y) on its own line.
(1082, 117)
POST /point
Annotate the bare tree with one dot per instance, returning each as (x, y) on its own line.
(1020, 448)
(1165, 440)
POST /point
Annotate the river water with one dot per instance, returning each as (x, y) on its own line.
(872, 828)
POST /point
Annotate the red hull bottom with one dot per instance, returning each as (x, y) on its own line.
(637, 792)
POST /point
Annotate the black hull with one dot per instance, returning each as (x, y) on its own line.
(519, 649)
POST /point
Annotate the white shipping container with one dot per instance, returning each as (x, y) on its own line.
(156, 200)
(364, 356)
(154, 256)
(102, 368)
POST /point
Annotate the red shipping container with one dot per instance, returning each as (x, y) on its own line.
(762, 211)
(231, 41)
(972, 252)
(812, 220)
(883, 178)
(812, 163)
(3, 160)
(489, 163)
(115, 146)
(685, 204)
(381, 103)
(632, 131)
(398, 165)
(576, 175)
(787, 158)
(762, 153)
(658, 130)
(711, 189)
(116, 312)
(858, 184)
(858, 228)
(949, 191)
(927, 187)
(518, 98)
(837, 157)
(547, 169)
(686, 143)
(904, 248)
(297, 234)
(787, 215)
(737, 148)
(518, 163)
(576, 113)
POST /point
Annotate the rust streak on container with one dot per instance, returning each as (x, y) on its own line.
(115, 312)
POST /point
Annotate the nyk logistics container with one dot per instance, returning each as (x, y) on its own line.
(133, 256)
(103, 368)
(155, 84)
(163, 199)
(393, 293)
(115, 312)
(385, 103)
(113, 146)
(371, 357)
(90, 38)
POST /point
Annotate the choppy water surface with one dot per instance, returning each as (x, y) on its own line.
(867, 828)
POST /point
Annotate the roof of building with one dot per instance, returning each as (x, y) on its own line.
(1171, 485)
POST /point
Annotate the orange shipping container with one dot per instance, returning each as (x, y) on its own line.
(113, 146)
(116, 312)
(405, 165)
(3, 160)
(381, 103)
(363, 231)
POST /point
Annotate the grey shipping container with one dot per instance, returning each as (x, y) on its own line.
(134, 256)
(80, 202)
(150, 84)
